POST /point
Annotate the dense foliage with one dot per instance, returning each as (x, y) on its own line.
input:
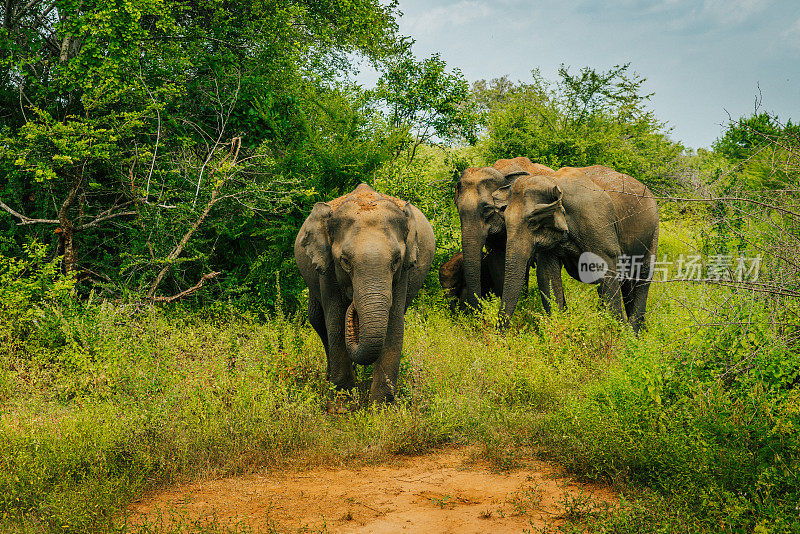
(162, 151)
(153, 143)
(160, 147)
(588, 118)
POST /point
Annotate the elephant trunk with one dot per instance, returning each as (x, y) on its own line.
(516, 269)
(366, 323)
(473, 237)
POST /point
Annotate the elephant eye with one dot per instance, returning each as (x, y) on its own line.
(396, 262)
(534, 222)
(487, 211)
(345, 263)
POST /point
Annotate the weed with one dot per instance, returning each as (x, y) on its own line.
(108, 402)
(525, 501)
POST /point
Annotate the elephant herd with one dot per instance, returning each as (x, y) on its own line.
(365, 255)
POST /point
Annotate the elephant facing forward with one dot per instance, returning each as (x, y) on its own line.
(593, 221)
(364, 257)
(481, 196)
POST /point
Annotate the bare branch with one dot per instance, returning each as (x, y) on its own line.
(235, 143)
(222, 118)
(184, 240)
(189, 291)
(718, 199)
(158, 138)
(19, 13)
(105, 218)
(751, 286)
(24, 219)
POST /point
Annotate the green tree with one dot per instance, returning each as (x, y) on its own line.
(160, 142)
(585, 119)
(427, 101)
(745, 136)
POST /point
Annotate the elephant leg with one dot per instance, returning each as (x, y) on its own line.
(548, 277)
(611, 294)
(316, 317)
(628, 288)
(385, 373)
(340, 368)
(638, 305)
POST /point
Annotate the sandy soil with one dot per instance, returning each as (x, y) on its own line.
(437, 493)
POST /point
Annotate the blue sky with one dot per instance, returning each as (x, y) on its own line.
(703, 59)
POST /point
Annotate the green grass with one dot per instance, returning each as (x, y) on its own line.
(107, 402)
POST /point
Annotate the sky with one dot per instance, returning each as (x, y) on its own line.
(703, 59)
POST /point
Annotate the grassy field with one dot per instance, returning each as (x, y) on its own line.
(695, 422)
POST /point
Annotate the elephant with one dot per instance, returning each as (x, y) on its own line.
(482, 221)
(451, 278)
(593, 221)
(364, 257)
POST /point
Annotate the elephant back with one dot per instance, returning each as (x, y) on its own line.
(522, 163)
(366, 198)
(635, 207)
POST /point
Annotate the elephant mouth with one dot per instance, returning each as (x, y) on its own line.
(351, 328)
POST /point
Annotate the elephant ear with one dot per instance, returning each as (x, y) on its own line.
(512, 172)
(458, 192)
(500, 197)
(315, 239)
(550, 215)
(412, 243)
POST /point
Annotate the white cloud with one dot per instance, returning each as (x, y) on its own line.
(441, 18)
(734, 11)
(792, 34)
(692, 16)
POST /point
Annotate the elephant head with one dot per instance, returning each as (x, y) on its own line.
(535, 220)
(481, 197)
(367, 241)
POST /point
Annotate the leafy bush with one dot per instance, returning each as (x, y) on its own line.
(32, 290)
(588, 118)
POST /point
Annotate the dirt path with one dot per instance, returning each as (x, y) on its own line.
(437, 493)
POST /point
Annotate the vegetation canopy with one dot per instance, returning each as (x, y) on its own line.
(157, 159)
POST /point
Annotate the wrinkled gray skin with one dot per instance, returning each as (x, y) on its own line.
(481, 196)
(555, 218)
(364, 258)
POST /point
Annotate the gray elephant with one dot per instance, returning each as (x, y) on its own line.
(482, 221)
(364, 257)
(601, 225)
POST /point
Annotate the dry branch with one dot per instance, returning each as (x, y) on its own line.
(102, 216)
(235, 145)
(24, 219)
(189, 291)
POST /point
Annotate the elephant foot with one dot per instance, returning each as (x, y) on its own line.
(382, 390)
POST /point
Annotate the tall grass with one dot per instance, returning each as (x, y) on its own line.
(103, 403)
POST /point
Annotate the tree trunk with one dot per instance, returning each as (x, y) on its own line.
(67, 235)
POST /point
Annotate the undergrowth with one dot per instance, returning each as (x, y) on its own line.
(697, 427)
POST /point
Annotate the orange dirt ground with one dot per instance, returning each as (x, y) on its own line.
(437, 493)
